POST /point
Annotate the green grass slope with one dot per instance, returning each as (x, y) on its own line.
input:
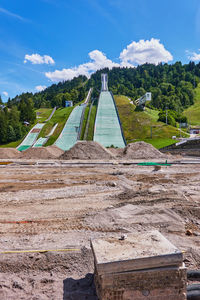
(12, 144)
(84, 122)
(138, 126)
(43, 114)
(193, 112)
(90, 133)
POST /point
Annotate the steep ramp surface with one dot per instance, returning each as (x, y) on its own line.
(40, 142)
(69, 134)
(31, 137)
(108, 131)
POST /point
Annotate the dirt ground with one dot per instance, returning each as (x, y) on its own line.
(53, 205)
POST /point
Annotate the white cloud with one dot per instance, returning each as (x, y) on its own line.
(193, 55)
(145, 52)
(40, 88)
(98, 61)
(5, 94)
(38, 59)
(136, 53)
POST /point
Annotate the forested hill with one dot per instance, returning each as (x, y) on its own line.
(56, 94)
(171, 86)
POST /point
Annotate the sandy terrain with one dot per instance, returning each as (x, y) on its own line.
(54, 205)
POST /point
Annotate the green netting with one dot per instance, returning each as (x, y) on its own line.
(153, 164)
(30, 138)
(22, 148)
(107, 127)
(40, 142)
(69, 135)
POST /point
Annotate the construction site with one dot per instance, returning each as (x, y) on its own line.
(98, 219)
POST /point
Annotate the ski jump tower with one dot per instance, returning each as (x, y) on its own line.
(104, 82)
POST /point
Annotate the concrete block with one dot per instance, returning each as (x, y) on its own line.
(142, 267)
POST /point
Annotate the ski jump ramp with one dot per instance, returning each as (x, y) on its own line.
(108, 131)
(31, 137)
(70, 132)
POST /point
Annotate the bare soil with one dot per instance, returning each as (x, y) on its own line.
(141, 150)
(54, 150)
(53, 205)
(50, 152)
(87, 150)
(9, 153)
(35, 130)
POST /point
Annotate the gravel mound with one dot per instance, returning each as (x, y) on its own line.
(41, 153)
(54, 150)
(87, 150)
(141, 150)
(118, 152)
(9, 153)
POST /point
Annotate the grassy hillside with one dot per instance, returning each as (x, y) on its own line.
(84, 122)
(92, 123)
(153, 114)
(193, 112)
(142, 125)
(43, 114)
(12, 144)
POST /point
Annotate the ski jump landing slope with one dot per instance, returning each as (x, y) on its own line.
(31, 137)
(108, 130)
(70, 132)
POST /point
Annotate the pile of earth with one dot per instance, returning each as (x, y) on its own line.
(54, 150)
(50, 152)
(117, 152)
(140, 150)
(87, 150)
(9, 153)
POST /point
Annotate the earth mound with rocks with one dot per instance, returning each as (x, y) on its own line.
(42, 153)
(54, 150)
(9, 153)
(140, 150)
(87, 150)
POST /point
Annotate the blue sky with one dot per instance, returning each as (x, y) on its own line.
(44, 41)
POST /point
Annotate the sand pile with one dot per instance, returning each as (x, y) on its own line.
(87, 150)
(41, 153)
(118, 152)
(54, 150)
(141, 150)
(9, 153)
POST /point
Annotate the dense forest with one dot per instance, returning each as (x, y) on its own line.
(172, 87)
(56, 94)
(21, 108)
(12, 120)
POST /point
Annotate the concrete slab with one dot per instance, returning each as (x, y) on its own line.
(138, 251)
